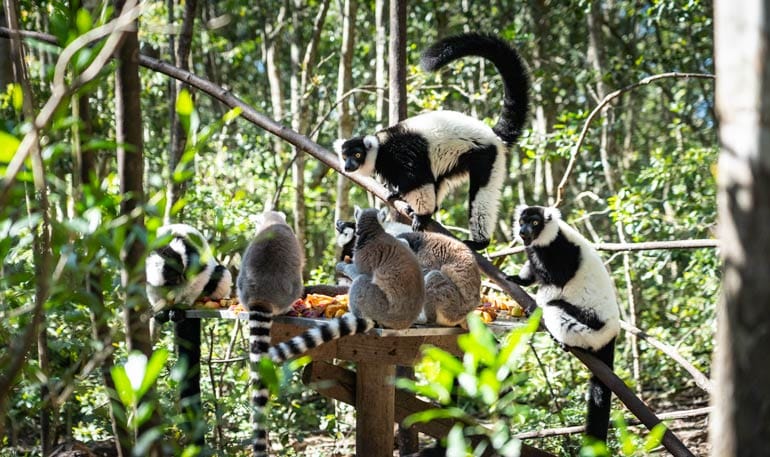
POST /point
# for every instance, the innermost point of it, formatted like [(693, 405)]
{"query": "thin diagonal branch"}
[(61, 90), (598, 109)]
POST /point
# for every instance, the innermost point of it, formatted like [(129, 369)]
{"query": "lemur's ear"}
[(356, 212), (382, 214), (552, 213), (337, 146), (371, 141), (518, 210)]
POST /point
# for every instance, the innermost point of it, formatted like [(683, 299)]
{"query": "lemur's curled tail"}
[(507, 61), (336, 328)]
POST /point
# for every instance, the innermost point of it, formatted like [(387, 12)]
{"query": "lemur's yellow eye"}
[(535, 223), (358, 155)]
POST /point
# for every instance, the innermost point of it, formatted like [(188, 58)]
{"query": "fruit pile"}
[(324, 306), (493, 306)]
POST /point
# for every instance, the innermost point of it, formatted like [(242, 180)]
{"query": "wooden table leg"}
[(375, 409), (408, 439)]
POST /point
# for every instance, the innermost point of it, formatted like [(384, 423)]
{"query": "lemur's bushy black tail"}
[(599, 397), (348, 324), (508, 63)]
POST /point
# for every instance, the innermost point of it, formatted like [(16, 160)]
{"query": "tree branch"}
[(598, 109), (61, 90), (581, 428)]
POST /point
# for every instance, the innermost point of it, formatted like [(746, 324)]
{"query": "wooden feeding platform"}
[(369, 388)]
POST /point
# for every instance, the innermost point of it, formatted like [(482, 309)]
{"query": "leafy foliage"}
[(655, 182)]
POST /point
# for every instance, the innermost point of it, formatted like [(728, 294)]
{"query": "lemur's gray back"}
[(452, 278), (388, 284), (271, 269)]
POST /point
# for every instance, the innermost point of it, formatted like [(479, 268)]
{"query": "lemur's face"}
[(345, 232), (531, 222), (357, 154), (353, 154)]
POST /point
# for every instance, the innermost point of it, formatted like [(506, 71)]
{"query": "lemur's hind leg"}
[(486, 176), (444, 304)]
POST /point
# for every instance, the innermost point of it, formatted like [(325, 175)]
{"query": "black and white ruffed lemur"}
[(576, 294), (423, 157)]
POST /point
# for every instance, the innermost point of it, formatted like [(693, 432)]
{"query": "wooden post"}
[(375, 409), (188, 342)]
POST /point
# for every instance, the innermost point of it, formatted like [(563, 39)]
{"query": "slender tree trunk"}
[(380, 52), (303, 64), (86, 174), (128, 118), (397, 61), (741, 415), (344, 84), (176, 189), (407, 437), (43, 257), (6, 75)]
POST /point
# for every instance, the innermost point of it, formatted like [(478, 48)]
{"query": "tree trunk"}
[(87, 174), (742, 398), (128, 118), (303, 64), (344, 84), (175, 190), (380, 50), (397, 61), (43, 256)]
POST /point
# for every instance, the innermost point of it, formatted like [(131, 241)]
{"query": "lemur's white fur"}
[(161, 295), (590, 288)]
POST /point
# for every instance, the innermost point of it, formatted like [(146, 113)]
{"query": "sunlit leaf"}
[(184, 103), (123, 386), (154, 366), (83, 21)]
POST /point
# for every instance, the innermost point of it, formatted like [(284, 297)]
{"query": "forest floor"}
[(693, 431)]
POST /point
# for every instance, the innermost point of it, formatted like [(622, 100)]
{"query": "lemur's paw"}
[(420, 222), (393, 196)]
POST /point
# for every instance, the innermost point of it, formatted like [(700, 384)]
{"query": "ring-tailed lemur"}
[(452, 278), (182, 270), (269, 281), (423, 157), (387, 288), (576, 294)]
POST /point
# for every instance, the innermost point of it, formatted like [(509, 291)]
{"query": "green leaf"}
[(456, 442), (154, 366), (268, 374), (83, 21), (655, 437), (9, 144), (184, 103), (17, 96), (232, 114), (143, 414), (447, 361), (489, 386), (432, 414), (480, 342), (515, 340), (123, 386)]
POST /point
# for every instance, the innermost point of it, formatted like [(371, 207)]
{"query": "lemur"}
[(452, 278), (423, 157), (576, 294), (182, 270), (269, 281)]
